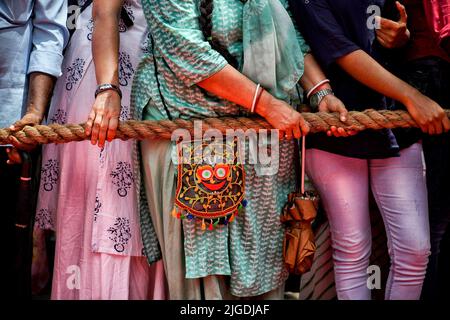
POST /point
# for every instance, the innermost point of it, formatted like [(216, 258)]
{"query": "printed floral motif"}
[(44, 219), (60, 117), (102, 157), (126, 70), (74, 73), (122, 177), (128, 8), (97, 207), (50, 174), (120, 233), (145, 45), (90, 27), (124, 113)]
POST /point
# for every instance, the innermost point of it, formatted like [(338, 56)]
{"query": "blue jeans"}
[(431, 76), (399, 188)]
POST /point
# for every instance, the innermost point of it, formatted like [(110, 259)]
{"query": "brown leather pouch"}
[(297, 216)]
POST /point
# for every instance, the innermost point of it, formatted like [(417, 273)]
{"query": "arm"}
[(104, 117), (331, 45), (180, 41), (313, 74), (49, 38), (427, 113), (278, 113)]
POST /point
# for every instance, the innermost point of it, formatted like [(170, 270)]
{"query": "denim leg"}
[(431, 76), (343, 185), (399, 188)]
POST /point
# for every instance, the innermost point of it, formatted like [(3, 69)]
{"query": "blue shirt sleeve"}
[(322, 31), (50, 35)]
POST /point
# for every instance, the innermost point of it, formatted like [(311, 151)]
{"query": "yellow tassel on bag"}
[(174, 212), (203, 225)]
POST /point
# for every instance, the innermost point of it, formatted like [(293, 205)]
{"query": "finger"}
[(20, 145), (329, 133), (430, 129), (112, 128), (89, 123), (401, 9), (343, 113), (438, 129), (342, 132), (96, 128), (386, 34), (352, 132), (446, 124), (304, 127), (297, 132), (333, 131), (102, 133), (13, 156), (288, 134), (384, 42), (386, 24)]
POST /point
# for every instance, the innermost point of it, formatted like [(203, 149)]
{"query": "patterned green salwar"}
[(243, 258)]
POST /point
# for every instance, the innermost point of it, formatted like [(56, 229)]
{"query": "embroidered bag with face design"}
[(210, 182)]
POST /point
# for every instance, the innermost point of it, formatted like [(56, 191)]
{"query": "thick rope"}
[(143, 130)]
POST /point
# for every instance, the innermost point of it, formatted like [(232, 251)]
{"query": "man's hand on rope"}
[(430, 117), (104, 118), (332, 104), (29, 119)]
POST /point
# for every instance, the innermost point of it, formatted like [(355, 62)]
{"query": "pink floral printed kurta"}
[(89, 196)]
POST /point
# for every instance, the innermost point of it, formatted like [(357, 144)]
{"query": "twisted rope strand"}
[(144, 130)]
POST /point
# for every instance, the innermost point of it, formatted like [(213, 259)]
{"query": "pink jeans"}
[(399, 188)]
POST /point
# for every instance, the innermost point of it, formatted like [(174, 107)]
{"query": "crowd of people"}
[(118, 209)]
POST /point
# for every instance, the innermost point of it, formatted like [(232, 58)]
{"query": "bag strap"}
[(302, 178)]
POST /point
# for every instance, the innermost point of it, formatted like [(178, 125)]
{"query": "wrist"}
[(321, 87), (108, 89), (265, 101), (323, 84), (36, 112), (408, 96)]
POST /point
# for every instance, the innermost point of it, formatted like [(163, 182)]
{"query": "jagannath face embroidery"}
[(210, 179), (213, 178)]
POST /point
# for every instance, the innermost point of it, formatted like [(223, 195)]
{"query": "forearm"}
[(231, 85), (39, 93), (312, 75), (105, 40), (369, 72)]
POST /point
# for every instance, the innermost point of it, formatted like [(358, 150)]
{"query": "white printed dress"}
[(89, 196)]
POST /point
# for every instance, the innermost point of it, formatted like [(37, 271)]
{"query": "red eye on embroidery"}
[(221, 171), (205, 172)]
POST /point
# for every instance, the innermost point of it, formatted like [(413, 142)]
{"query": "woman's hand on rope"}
[(282, 117), (104, 118), (430, 117), (332, 104), (31, 118)]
